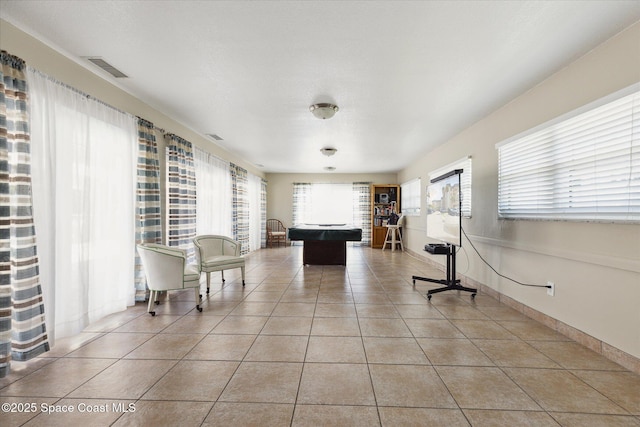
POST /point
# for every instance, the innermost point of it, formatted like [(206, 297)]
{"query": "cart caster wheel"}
[(156, 302), (429, 297), (414, 282), (473, 296), (152, 313), (199, 308), (200, 297), (207, 291)]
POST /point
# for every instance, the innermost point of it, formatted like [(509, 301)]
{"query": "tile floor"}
[(322, 345)]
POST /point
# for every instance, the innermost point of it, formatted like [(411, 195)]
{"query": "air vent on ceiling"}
[(214, 136), (107, 67)]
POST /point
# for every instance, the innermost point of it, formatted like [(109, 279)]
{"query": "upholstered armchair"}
[(166, 269), (218, 253)]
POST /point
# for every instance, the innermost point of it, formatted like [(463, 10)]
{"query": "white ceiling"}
[(407, 75)]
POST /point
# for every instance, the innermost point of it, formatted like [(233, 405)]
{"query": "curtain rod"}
[(77, 91)]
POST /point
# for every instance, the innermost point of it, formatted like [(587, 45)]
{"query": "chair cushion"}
[(222, 262)]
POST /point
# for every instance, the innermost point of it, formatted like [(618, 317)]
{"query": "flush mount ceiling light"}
[(323, 111), (327, 151), (329, 168)]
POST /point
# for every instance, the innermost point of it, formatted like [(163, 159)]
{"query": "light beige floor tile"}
[(374, 327), (333, 415), (433, 328), (264, 296), (335, 326), (166, 413), (226, 414), (301, 309), (21, 411), (125, 379), (246, 308), (549, 388), (409, 386), (166, 346), (222, 347), (112, 346), (595, 420), (22, 369), (529, 330), (251, 325), (413, 417), (278, 348), (148, 323), (325, 297), (415, 311), (335, 350), (514, 353), (195, 380), (509, 418), (287, 325), (377, 310), (484, 388), (335, 310), (336, 384), (64, 346), (85, 412), (394, 350), (412, 298), (503, 313), (195, 324), (371, 298), (264, 382), (621, 387), (571, 355), (58, 378), (453, 352), (487, 329)]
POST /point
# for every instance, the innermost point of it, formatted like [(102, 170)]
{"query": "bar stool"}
[(394, 235)]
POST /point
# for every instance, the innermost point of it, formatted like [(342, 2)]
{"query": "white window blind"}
[(410, 198), (465, 181), (582, 166)]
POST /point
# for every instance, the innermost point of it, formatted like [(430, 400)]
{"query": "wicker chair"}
[(276, 232)]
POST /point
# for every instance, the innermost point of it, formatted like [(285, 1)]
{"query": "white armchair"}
[(218, 253), (166, 269)]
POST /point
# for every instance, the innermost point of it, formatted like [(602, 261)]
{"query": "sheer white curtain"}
[(255, 220), (84, 163), (213, 194)]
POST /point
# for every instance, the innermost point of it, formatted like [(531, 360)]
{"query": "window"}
[(581, 166), (410, 198), (324, 203), (465, 181)]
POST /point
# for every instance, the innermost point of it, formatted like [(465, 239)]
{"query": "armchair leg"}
[(152, 296), (222, 276), (208, 282), (242, 270), (197, 289)]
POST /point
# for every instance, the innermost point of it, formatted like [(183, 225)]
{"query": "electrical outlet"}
[(551, 288)]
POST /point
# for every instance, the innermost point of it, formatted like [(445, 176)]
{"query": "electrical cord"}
[(495, 271)]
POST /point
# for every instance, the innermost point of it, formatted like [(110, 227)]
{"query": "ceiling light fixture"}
[(328, 151), (329, 168), (323, 111)]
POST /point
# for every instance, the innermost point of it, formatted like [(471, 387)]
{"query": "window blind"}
[(410, 197), (585, 166), (465, 181)]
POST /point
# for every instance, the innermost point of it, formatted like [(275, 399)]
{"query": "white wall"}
[(280, 189), (595, 266)]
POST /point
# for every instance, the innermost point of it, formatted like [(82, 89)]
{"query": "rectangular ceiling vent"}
[(107, 67), (214, 136)]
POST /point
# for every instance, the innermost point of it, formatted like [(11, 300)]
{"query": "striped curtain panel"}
[(362, 211), (181, 190), (301, 202), (240, 211), (22, 327), (148, 209), (263, 213)]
